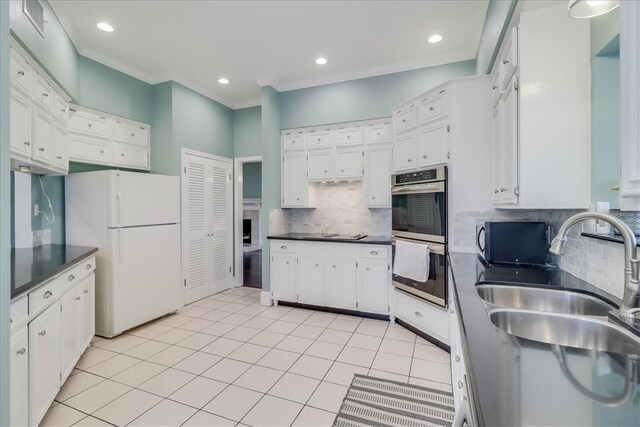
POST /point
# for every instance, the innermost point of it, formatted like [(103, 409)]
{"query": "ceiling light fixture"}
[(435, 38), (105, 27), (321, 61), (584, 9), (223, 81)]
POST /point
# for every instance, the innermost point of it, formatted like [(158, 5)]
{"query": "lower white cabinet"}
[(350, 276), (89, 310), (19, 390), (431, 319), (71, 320), (44, 362)]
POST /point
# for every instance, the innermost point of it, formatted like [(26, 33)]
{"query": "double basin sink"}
[(556, 316)]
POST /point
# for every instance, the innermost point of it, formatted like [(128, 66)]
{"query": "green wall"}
[(252, 180), (362, 99), (270, 137), (164, 155), (498, 16), (5, 214), (112, 91), (247, 127), (54, 188)]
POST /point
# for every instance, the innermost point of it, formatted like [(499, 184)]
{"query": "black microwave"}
[(513, 242)]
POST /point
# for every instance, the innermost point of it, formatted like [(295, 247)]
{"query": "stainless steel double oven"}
[(419, 215)]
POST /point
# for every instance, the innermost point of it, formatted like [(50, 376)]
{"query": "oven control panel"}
[(428, 175)]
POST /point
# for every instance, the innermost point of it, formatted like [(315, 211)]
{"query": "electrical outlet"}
[(46, 236), (36, 209), (37, 238)]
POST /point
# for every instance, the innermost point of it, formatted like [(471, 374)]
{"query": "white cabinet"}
[(71, 330), (504, 148), (377, 133), (88, 310), (373, 285), (348, 136), (420, 314), (377, 176), (433, 145), (44, 362), (405, 119), (294, 141), (20, 123), (21, 71), (341, 283), (320, 165), (60, 140), (348, 163), (99, 138), (434, 106), (310, 280), (507, 62), (42, 92), (405, 151), (19, 367), (340, 275), (42, 135), (319, 139), (295, 187)]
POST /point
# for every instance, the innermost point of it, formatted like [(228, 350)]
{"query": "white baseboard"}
[(265, 298)]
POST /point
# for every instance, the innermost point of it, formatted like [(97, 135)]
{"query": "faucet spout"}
[(630, 308)]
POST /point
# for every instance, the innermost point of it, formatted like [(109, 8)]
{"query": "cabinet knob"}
[(424, 156), (495, 87), (63, 110), (418, 314), (27, 143), (88, 267), (59, 157), (71, 277), (21, 351), (86, 291), (373, 197), (325, 171), (47, 295), (318, 139), (460, 384), (287, 262), (367, 268), (502, 189), (409, 160), (21, 73), (457, 358), (378, 133), (430, 108), (298, 198), (404, 120), (374, 252), (121, 154), (41, 149), (333, 266), (42, 333), (495, 191), (341, 170), (101, 151), (133, 135), (505, 61), (283, 247), (89, 125), (45, 94), (316, 265), (78, 298), (348, 136)]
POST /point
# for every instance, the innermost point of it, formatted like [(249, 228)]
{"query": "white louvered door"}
[(207, 213)]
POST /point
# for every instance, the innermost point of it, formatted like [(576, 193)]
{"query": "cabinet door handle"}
[(333, 266), (101, 151), (409, 160), (122, 154), (21, 73), (457, 358), (41, 149), (89, 125), (133, 134), (502, 189), (78, 298), (287, 262), (42, 333), (373, 197), (21, 351), (342, 170), (47, 295), (378, 133), (495, 191), (86, 291), (424, 156), (430, 108), (71, 277), (59, 157), (495, 87), (404, 120), (367, 268), (374, 252), (460, 384), (45, 94), (88, 267), (505, 61), (283, 247), (27, 143), (63, 110), (418, 314)]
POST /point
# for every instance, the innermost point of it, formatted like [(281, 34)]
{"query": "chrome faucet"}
[(630, 308)]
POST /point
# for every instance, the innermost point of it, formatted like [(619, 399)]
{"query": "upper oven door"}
[(419, 211)]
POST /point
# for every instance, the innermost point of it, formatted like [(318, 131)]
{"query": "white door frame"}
[(238, 198), (184, 153)]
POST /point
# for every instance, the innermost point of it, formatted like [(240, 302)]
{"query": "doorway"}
[(248, 221)]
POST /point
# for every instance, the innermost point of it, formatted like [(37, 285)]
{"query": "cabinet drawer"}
[(19, 310), (405, 119), (433, 107), (123, 132), (43, 296), (60, 108), (84, 150), (377, 133), (41, 91), (381, 252), (77, 273), (20, 72), (349, 136), (89, 124), (294, 141), (132, 157), (431, 319), (319, 139), (282, 246)]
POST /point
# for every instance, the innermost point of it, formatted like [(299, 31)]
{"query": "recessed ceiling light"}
[(435, 38), (223, 81), (321, 61), (105, 27)]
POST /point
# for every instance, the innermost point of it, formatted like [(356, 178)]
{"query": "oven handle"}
[(436, 187), (436, 248)]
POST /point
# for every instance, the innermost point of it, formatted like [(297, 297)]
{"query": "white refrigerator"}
[(134, 220)]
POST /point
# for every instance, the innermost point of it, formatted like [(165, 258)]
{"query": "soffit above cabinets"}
[(254, 43)]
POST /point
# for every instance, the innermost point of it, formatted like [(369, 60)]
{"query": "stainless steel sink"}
[(545, 300), (565, 330)]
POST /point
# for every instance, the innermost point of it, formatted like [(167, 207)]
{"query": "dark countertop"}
[(32, 266), (517, 382), (318, 237)]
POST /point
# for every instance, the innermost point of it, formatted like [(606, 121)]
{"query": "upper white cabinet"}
[(434, 106), (38, 118), (103, 139), (405, 118), (336, 153), (542, 124), (433, 142)]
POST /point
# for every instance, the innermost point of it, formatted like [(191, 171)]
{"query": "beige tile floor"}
[(228, 361)]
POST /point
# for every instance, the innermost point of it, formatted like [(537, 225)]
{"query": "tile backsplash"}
[(340, 209)]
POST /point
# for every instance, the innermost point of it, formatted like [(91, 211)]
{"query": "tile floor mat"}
[(378, 402)]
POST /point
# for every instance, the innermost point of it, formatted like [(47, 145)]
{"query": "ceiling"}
[(253, 43)]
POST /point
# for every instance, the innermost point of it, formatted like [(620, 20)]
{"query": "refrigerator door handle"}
[(119, 197)]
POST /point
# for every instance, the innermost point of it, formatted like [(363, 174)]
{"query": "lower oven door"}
[(434, 289)]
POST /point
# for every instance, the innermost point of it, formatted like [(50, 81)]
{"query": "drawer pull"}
[(460, 384), (418, 314), (86, 291), (374, 252), (88, 267), (63, 110), (457, 358), (27, 143), (505, 62), (283, 247), (47, 294), (71, 277), (21, 351), (78, 298), (42, 333), (41, 149), (45, 94), (21, 73)]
